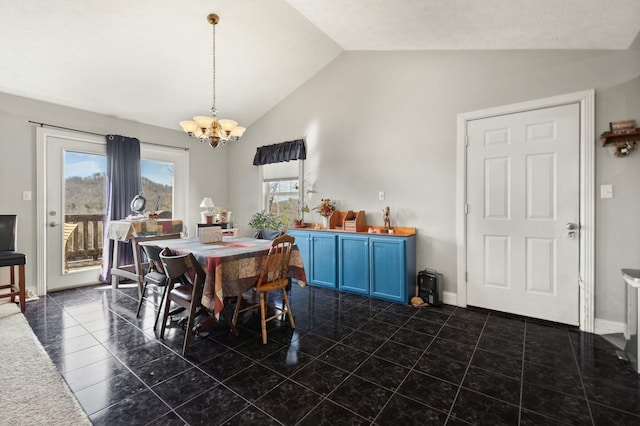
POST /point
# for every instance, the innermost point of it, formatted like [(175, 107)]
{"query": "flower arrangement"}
[(326, 207)]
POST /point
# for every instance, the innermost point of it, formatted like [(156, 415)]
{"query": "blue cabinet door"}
[(388, 268), (323, 259), (353, 261), (303, 240)]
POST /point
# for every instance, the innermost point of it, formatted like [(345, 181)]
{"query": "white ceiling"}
[(150, 60)]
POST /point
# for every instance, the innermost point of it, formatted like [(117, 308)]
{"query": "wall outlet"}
[(381, 196)]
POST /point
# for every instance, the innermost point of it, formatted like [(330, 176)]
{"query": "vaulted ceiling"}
[(150, 60)]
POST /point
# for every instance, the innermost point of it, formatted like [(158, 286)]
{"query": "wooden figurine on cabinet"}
[(386, 217)]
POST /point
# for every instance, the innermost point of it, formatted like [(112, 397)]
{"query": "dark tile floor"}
[(351, 360)]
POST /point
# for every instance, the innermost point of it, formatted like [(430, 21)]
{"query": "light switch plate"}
[(381, 196), (606, 191), (26, 195)]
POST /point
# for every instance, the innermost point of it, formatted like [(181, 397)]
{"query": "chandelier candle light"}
[(210, 129)]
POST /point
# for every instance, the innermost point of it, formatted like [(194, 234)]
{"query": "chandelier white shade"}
[(210, 129)]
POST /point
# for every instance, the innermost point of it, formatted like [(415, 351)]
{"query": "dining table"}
[(232, 266)]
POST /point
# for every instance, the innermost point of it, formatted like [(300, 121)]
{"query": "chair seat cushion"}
[(156, 278), (183, 292), (10, 258)]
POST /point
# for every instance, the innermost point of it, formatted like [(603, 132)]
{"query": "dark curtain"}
[(280, 152), (123, 183)]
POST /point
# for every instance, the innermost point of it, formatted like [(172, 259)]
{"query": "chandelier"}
[(210, 129)]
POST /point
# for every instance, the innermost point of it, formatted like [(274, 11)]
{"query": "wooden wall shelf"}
[(611, 137)]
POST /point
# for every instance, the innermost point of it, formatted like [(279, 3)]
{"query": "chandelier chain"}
[(209, 129), (213, 78)]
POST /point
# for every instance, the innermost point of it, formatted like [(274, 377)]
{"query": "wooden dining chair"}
[(156, 278), (185, 286), (273, 277)]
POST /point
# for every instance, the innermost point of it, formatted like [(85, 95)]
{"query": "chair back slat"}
[(276, 265)]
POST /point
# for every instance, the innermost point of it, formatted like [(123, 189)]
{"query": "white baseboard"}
[(450, 298), (602, 326)]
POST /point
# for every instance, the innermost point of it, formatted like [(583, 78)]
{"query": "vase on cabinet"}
[(325, 222)]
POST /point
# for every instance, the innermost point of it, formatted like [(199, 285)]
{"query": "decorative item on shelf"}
[(622, 126), (138, 205), (207, 215), (153, 214), (222, 215), (210, 129), (621, 140), (299, 223), (352, 221), (386, 218), (326, 209)]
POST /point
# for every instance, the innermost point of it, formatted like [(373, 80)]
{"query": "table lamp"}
[(207, 214)]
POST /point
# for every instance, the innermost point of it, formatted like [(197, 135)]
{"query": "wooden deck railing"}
[(84, 246)]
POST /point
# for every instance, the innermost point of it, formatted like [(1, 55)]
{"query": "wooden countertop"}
[(398, 231)]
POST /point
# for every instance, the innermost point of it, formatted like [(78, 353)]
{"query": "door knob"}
[(53, 224), (572, 226)]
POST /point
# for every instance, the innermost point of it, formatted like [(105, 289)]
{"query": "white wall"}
[(618, 218), (386, 121), (208, 169)]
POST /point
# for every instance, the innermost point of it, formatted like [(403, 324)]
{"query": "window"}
[(157, 186), (281, 189), (165, 179)]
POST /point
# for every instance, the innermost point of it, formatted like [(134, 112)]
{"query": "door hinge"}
[(465, 276), (466, 140), (466, 208)]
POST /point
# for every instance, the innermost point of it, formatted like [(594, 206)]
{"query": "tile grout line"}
[(524, 346), (475, 348), (584, 389)]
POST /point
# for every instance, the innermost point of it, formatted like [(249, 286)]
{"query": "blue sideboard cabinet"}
[(319, 254), (380, 266)]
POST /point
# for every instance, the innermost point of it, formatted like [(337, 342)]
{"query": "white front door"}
[(74, 200), (523, 186)]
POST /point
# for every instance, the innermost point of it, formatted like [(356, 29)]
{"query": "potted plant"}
[(267, 224)]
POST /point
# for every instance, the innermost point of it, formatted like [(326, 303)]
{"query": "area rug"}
[(32, 391)]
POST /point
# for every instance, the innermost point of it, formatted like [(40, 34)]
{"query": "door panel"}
[(73, 166), (354, 264), (388, 266), (522, 190), (323, 257)]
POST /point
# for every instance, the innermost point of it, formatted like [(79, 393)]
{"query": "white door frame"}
[(42, 134), (586, 100)]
